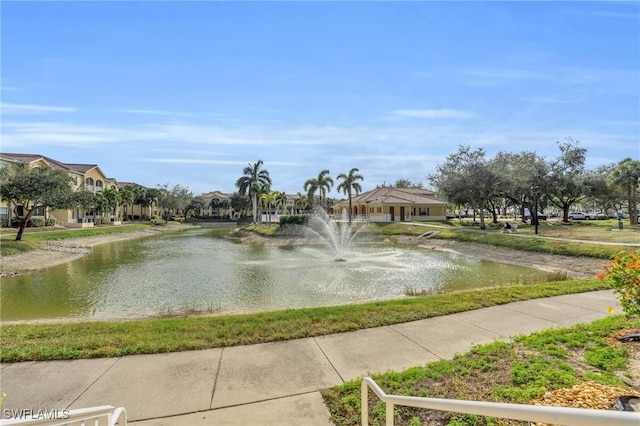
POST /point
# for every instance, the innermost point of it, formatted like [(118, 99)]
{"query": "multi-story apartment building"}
[(87, 177)]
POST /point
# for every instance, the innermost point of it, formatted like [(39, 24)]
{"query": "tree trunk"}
[(254, 207), (633, 211), (23, 224)]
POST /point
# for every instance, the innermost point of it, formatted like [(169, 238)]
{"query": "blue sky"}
[(191, 92)]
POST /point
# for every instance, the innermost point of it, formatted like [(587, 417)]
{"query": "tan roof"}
[(55, 164), (393, 195), (217, 194), (81, 168), (30, 158)]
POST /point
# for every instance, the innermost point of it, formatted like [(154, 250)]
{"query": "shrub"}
[(297, 219), (36, 223), (623, 275)]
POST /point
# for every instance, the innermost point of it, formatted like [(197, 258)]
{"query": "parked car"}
[(579, 216), (541, 216)]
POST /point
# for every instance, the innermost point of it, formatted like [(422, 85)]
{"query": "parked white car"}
[(579, 216)]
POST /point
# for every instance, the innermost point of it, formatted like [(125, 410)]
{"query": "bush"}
[(50, 222), (623, 275), (36, 223), (297, 219)]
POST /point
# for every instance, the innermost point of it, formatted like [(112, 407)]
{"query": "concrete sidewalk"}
[(276, 383)]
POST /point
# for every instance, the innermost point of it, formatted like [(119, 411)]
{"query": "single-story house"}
[(391, 204)]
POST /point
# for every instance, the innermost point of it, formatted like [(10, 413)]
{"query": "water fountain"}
[(336, 234)]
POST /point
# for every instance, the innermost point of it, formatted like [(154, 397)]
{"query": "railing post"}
[(389, 413), (364, 402)]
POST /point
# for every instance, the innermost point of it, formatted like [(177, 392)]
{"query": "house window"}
[(370, 209), (90, 184), (98, 185), (424, 211), (379, 210), (39, 211), (4, 213)]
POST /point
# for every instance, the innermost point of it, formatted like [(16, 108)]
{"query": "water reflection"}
[(197, 270)]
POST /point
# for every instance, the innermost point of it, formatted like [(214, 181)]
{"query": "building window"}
[(90, 184), (424, 211), (4, 213), (370, 209), (379, 210), (98, 185)]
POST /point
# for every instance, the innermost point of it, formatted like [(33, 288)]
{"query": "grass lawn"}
[(583, 366)]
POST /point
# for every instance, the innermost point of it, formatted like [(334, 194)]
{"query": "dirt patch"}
[(577, 267)]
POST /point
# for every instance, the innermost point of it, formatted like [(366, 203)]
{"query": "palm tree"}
[(128, 197), (253, 174), (281, 201), (114, 198), (627, 175), (267, 198), (102, 206), (322, 183), (349, 184), (301, 202)]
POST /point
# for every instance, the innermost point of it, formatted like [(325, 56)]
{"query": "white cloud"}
[(8, 108), (156, 112), (434, 113)]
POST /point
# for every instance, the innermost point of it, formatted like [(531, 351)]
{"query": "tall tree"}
[(566, 182), (253, 174), (627, 175), (281, 202), (516, 175), (240, 203), (196, 205), (114, 198), (349, 185), (128, 197), (406, 183), (34, 188), (323, 184), (466, 177), (174, 200), (301, 202), (268, 199)]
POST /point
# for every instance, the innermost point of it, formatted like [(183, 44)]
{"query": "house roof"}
[(55, 164), (32, 158), (217, 194), (393, 195), (81, 168)]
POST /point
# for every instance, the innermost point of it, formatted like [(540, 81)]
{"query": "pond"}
[(198, 270)]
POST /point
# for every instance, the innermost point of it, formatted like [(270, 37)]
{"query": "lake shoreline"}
[(58, 252), (62, 251)]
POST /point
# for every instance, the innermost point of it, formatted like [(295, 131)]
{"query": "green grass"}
[(27, 342), (516, 372), (496, 238)]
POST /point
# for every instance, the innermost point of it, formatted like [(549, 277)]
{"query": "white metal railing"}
[(105, 415), (536, 413)]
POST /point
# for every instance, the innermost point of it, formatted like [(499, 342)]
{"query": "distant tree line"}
[(469, 178)]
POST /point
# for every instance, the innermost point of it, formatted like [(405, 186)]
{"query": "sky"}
[(189, 93)]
